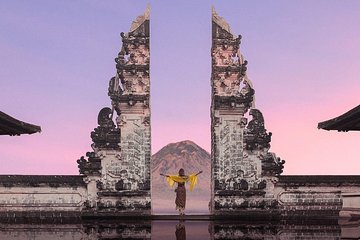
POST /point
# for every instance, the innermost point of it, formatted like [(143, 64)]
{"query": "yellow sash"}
[(192, 179)]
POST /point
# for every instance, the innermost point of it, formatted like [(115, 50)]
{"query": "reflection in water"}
[(231, 230), (180, 232), (77, 231), (171, 230), (117, 229), (330, 229)]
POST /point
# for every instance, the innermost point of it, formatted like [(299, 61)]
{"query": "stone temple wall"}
[(328, 195), (49, 196)]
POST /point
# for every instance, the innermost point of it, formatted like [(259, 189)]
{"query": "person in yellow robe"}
[(181, 179)]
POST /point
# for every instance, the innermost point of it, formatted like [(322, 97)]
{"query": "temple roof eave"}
[(349, 121), (12, 126)]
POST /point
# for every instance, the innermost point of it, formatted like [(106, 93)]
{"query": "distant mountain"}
[(169, 160)]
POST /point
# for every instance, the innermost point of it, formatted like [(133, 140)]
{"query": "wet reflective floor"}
[(185, 229)]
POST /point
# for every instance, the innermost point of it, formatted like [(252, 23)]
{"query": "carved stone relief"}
[(135, 152)]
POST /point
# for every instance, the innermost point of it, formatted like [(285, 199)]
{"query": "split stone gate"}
[(115, 176)]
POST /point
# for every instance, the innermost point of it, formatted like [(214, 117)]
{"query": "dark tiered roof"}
[(349, 121), (11, 126)]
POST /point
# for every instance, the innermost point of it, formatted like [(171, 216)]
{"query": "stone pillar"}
[(129, 91), (118, 170), (239, 149)]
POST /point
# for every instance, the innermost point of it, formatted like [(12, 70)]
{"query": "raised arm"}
[(164, 175), (198, 173)]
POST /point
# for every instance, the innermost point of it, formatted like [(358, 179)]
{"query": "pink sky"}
[(57, 58)]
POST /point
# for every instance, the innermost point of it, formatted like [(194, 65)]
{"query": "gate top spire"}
[(141, 19), (229, 67), (220, 21)]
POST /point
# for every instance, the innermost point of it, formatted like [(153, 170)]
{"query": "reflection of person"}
[(181, 179), (180, 231)]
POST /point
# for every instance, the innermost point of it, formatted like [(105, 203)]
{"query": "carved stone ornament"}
[(133, 61), (90, 166), (256, 137), (114, 86), (220, 21), (106, 135), (140, 20), (272, 165), (228, 67)]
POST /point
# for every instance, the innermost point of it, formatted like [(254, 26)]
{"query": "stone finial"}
[(140, 19), (133, 63), (228, 65), (220, 20)]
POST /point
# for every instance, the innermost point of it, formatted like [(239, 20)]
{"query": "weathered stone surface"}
[(42, 198), (316, 195)]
